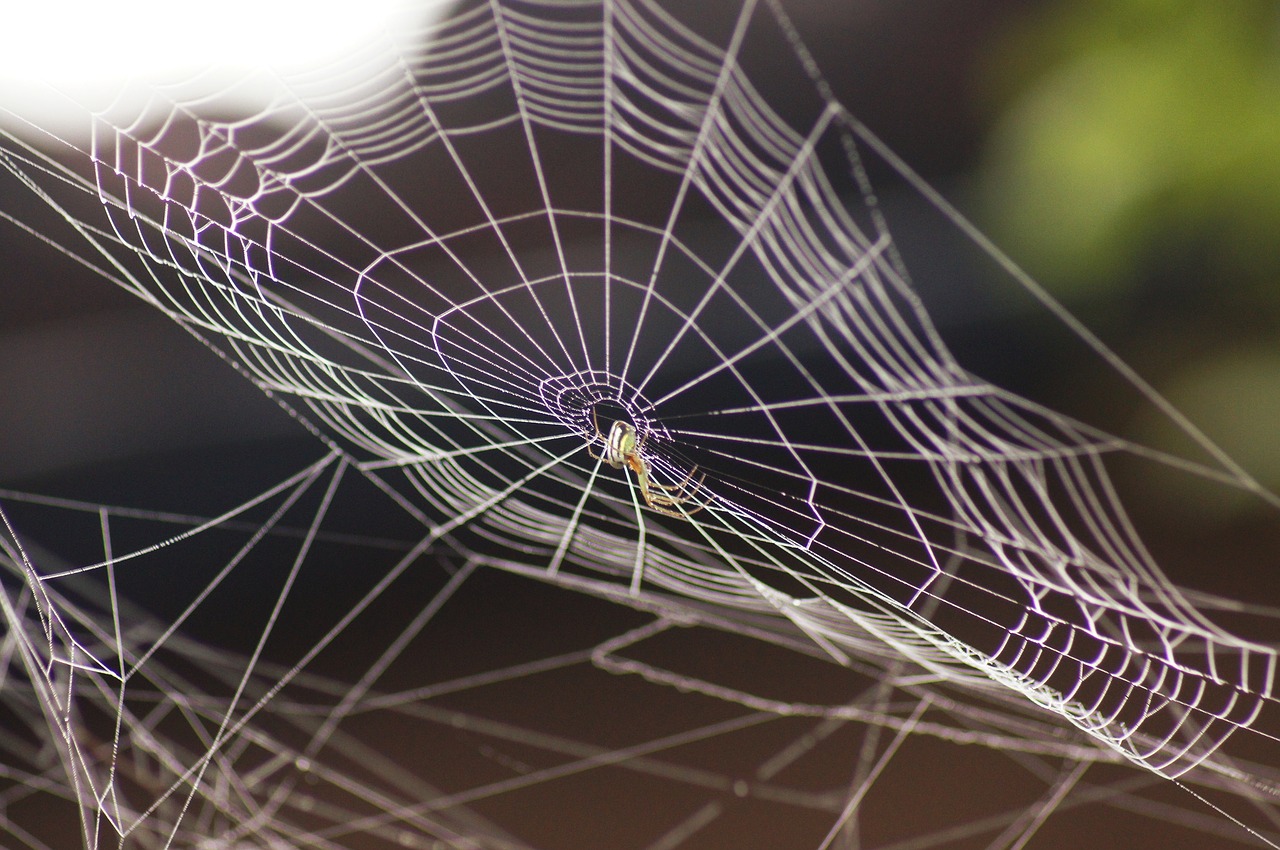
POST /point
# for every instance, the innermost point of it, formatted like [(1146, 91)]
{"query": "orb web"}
[(532, 219)]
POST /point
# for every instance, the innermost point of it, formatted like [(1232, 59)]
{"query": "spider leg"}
[(660, 507), (684, 481), (671, 513), (673, 495), (595, 423), (662, 502)]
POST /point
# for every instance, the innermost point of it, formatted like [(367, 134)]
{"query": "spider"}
[(622, 448)]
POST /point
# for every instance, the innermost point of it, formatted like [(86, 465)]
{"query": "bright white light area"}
[(61, 57)]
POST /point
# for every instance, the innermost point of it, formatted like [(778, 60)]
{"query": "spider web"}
[(533, 219)]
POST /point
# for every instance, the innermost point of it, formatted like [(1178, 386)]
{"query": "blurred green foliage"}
[(1135, 128), (1135, 171)]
